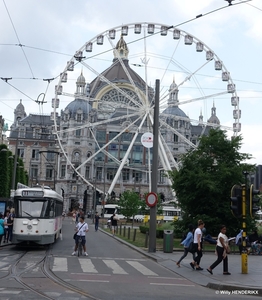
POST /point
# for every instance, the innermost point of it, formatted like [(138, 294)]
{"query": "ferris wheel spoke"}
[(186, 79), (105, 146), (177, 133), (114, 86), (126, 156), (126, 72), (200, 98)]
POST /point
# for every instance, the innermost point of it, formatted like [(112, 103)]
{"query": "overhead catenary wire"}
[(95, 56)]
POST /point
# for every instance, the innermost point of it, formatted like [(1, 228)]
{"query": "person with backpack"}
[(186, 242)]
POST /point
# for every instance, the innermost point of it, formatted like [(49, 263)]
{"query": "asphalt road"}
[(114, 271), (111, 271)]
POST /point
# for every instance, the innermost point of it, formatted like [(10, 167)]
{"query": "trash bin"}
[(168, 241)]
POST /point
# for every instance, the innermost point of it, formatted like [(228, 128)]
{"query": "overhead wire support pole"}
[(244, 256), (154, 174)]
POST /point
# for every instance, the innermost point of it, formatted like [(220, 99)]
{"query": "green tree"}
[(205, 179), (4, 174), (130, 204)]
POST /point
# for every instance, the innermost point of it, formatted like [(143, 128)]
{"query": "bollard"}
[(128, 233), (146, 240), (134, 235), (120, 229), (124, 231)]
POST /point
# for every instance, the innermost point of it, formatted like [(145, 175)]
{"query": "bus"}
[(38, 215), (168, 214), (109, 210)]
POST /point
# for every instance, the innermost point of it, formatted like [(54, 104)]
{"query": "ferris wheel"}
[(113, 102)]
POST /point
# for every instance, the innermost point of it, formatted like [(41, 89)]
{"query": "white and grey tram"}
[(38, 215)]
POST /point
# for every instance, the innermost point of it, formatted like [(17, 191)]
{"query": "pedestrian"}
[(1, 227), (96, 221), (81, 229), (114, 223), (10, 223), (222, 249), (6, 235), (186, 242), (195, 264)]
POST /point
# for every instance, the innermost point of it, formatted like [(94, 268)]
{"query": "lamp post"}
[(14, 169), (94, 200), (104, 195)]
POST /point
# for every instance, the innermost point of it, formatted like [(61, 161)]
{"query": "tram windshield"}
[(33, 209)]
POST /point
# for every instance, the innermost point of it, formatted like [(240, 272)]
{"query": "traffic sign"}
[(151, 199), (147, 139)]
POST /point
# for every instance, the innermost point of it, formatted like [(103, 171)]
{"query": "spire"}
[(173, 93), (213, 109), (213, 119), (121, 48), (19, 112), (201, 117), (80, 85)]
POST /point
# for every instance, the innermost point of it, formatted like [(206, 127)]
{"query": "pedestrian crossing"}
[(97, 266)]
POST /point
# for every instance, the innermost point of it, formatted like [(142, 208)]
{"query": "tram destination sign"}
[(38, 194)]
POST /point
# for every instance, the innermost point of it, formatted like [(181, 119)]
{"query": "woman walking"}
[(222, 250), (198, 246), (186, 242)]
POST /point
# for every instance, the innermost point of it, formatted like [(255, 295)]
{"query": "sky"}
[(38, 38)]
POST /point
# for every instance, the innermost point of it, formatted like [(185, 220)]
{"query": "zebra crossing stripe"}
[(87, 265), (60, 264), (116, 269), (140, 268)]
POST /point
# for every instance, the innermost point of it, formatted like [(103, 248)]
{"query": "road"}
[(111, 271)]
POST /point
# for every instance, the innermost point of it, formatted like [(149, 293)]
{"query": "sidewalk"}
[(243, 283)]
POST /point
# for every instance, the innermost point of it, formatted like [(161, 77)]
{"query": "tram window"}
[(30, 209)]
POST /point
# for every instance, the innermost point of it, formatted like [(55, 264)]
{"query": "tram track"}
[(31, 270)]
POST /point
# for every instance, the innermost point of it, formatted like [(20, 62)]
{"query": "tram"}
[(38, 215)]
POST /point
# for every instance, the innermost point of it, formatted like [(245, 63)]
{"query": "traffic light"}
[(236, 201), (253, 201)]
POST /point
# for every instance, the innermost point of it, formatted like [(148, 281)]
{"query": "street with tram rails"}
[(111, 270)]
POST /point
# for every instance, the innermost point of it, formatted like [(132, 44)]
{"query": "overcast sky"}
[(51, 31)]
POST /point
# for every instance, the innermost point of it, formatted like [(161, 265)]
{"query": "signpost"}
[(151, 199)]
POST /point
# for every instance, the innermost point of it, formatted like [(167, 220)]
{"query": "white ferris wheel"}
[(118, 99)]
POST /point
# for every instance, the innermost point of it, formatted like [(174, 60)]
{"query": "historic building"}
[(105, 106)]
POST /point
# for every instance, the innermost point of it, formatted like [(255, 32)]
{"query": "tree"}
[(4, 174), (130, 204), (205, 179)]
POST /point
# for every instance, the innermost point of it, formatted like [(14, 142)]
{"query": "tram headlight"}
[(29, 227)]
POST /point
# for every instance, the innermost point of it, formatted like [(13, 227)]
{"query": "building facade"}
[(95, 131)]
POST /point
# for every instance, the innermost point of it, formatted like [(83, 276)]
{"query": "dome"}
[(173, 86), (81, 79), (175, 111), (78, 104), (20, 106)]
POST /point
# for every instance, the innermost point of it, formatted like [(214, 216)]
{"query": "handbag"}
[(228, 250), (74, 236), (191, 247)]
